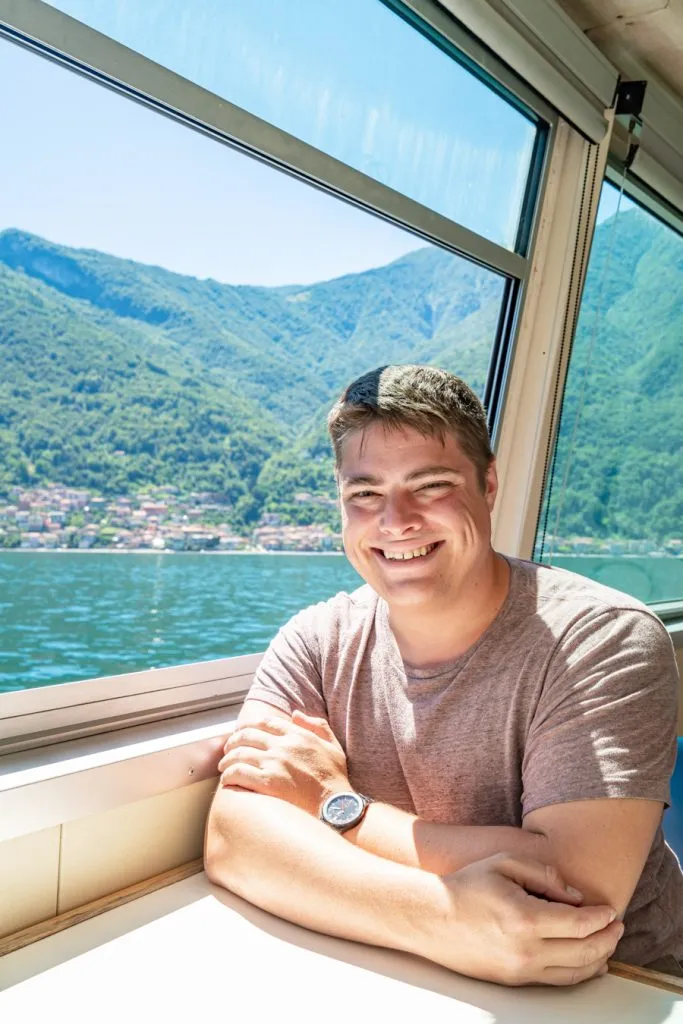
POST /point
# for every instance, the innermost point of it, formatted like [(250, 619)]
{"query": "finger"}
[(246, 777), (579, 952), (277, 726), (229, 730), (542, 879), (241, 755), (572, 975), (559, 921), (318, 726), (249, 736), (309, 721)]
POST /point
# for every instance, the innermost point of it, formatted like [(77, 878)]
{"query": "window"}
[(614, 504), (175, 320), (354, 80)]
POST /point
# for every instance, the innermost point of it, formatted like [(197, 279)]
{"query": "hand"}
[(489, 925), (298, 760)]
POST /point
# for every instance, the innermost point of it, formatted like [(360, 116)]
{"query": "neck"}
[(429, 636)]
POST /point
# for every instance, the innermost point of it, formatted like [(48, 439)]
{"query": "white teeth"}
[(404, 556)]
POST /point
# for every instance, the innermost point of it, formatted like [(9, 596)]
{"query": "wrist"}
[(421, 905)]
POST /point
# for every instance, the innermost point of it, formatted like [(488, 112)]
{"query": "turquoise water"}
[(66, 616), (648, 578)]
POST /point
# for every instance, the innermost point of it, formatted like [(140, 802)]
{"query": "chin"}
[(407, 594)]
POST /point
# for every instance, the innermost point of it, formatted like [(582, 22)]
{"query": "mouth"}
[(414, 555)]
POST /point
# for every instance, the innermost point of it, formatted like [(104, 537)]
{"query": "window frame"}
[(36, 717)]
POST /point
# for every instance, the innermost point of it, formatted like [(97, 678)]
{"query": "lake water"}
[(66, 616)]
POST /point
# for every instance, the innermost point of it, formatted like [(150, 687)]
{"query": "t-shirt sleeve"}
[(605, 724), (289, 675)]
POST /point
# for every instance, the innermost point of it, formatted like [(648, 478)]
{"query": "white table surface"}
[(194, 953)]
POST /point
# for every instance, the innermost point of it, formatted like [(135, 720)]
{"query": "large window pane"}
[(615, 508), (352, 79), (175, 320)]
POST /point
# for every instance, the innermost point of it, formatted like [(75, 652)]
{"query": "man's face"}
[(403, 494)]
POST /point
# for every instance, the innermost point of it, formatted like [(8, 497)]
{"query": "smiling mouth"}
[(406, 556)]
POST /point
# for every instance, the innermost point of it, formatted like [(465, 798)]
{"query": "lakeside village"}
[(56, 517)]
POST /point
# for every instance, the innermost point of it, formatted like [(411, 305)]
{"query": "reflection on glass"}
[(615, 509), (353, 80), (175, 321)]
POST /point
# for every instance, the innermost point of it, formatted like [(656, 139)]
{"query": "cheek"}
[(355, 526)]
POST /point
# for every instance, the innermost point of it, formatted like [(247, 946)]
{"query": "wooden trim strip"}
[(645, 976), (53, 925)]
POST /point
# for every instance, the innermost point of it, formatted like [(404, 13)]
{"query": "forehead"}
[(380, 451)]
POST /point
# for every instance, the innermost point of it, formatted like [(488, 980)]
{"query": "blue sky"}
[(90, 168), (87, 168)]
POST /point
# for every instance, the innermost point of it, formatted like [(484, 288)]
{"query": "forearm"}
[(285, 861), (438, 848)]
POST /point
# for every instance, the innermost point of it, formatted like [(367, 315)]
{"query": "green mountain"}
[(117, 376), (619, 470)]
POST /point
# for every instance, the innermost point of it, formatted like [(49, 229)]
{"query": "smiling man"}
[(468, 757)]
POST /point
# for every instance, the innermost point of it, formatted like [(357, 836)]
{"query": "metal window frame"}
[(36, 717), (52, 34), (532, 400)]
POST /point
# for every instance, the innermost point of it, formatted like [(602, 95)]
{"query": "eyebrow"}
[(417, 474)]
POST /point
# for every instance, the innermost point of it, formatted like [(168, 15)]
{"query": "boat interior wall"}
[(56, 869)]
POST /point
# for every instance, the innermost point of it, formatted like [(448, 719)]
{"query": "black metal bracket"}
[(628, 109), (629, 98)]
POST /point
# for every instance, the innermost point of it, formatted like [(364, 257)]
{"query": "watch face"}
[(343, 808)]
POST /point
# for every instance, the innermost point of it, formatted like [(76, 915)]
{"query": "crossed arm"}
[(398, 881)]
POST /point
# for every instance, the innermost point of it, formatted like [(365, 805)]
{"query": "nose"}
[(400, 516)]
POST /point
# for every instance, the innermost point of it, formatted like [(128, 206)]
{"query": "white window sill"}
[(54, 784)]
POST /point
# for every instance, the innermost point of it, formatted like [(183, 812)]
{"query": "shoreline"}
[(256, 551), (152, 551)]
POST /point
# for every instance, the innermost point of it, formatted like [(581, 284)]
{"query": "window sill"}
[(59, 783)]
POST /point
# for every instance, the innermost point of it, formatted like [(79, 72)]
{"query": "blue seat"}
[(673, 817)]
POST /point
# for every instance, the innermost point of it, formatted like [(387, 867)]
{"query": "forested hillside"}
[(116, 376), (625, 475)]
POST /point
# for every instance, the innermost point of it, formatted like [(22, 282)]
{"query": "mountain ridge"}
[(119, 375)]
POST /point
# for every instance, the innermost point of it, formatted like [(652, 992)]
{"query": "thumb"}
[(536, 877)]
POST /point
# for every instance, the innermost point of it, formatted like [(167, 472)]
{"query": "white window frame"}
[(66, 711)]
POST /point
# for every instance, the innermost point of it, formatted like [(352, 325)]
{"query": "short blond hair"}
[(431, 401)]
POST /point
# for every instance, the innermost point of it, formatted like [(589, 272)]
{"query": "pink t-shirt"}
[(570, 694)]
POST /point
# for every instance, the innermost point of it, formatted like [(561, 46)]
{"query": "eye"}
[(361, 495), (435, 484)]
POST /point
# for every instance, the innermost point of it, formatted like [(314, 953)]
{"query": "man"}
[(512, 725)]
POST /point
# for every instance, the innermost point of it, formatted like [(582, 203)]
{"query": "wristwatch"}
[(343, 811)]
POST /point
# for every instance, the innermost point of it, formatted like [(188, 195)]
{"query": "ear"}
[(491, 485)]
